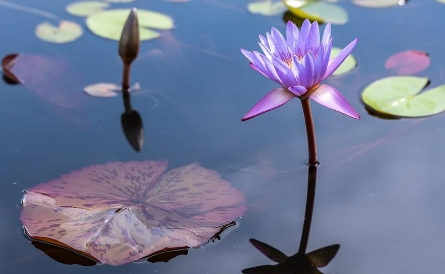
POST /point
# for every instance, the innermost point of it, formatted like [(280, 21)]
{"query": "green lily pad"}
[(267, 8), (109, 23), (320, 11), (378, 3), (86, 8), (65, 32), (348, 64), (400, 96)]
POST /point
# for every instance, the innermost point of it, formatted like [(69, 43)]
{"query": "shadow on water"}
[(301, 262), (67, 256)]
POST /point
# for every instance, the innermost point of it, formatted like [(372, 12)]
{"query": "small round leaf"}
[(86, 8), (67, 31)]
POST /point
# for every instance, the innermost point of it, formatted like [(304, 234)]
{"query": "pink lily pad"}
[(53, 79), (408, 62), (121, 212)]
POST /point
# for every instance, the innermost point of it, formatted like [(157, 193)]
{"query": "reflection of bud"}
[(129, 42)]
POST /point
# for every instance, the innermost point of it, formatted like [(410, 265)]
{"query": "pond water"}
[(380, 191)]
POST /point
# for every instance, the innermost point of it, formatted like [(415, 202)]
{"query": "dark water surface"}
[(380, 188)]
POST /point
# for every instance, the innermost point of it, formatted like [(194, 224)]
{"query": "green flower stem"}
[(310, 131)]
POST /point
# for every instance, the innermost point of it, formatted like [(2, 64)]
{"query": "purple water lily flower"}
[(299, 64)]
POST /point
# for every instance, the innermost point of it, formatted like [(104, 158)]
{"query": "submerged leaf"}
[(86, 8), (53, 79), (348, 64), (121, 212), (408, 62), (65, 32), (110, 23), (267, 8), (318, 11), (399, 96)]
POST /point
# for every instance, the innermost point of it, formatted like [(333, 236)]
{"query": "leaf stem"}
[(310, 131)]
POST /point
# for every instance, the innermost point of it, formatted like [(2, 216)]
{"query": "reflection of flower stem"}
[(311, 183), (126, 77), (29, 10), (310, 131)]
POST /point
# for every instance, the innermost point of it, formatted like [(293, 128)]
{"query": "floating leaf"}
[(107, 89), (399, 96), (67, 31), (53, 79), (349, 64), (408, 62), (318, 10), (86, 8), (378, 3), (121, 212), (102, 90), (267, 8), (109, 24)]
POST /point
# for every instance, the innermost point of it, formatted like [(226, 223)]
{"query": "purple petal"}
[(252, 58), (291, 35), (257, 69), (264, 40), (319, 65), (271, 42), (302, 40), (330, 97), (297, 90), (326, 35), (256, 59), (306, 71), (284, 73), (274, 99), (270, 70), (314, 37), (281, 43), (336, 62), (266, 51)]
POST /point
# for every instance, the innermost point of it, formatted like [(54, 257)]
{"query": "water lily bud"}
[(129, 42)]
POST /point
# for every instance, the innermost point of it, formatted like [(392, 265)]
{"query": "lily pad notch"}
[(401, 96)]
